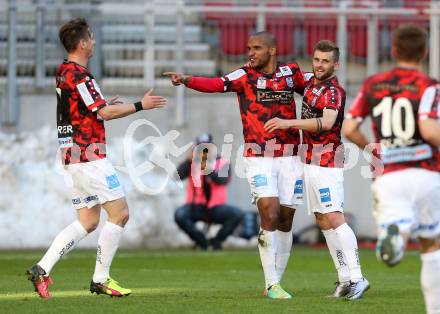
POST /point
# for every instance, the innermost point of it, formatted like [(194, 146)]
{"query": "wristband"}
[(138, 106)]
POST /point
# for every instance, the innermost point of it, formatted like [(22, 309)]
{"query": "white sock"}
[(430, 280), (267, 246), (336, 252), (63, 243), (108, 243), (284, 246), (348, 242)]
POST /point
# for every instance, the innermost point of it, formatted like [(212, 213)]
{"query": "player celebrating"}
[(403, 105), (322, 116), (265, 89), (81, 136)]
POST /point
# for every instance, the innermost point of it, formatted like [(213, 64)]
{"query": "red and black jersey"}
[(81, 134), (262, 97), (396, 100), (325, 148)]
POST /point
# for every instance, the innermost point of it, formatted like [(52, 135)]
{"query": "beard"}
[(262, 64), (323, 76)]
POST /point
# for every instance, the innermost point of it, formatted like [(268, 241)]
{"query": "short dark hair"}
[(72, 32), (409, 41), (268, 38), (327, 46)]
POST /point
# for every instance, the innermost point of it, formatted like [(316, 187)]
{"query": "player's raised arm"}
[(177, 78), (116, 109), (201, 84)]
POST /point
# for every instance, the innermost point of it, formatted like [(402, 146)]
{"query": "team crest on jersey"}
[(289, 82), (261, 83), (285, 70)]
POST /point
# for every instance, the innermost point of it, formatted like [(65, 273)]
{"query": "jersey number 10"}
[(392, 122)]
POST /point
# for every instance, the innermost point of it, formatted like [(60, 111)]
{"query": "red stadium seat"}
[(283, 29), (234, 34), (357, 38), (388, 24), (282, 25), (318, 26), (420, 19), (357, 33), (234, 28)]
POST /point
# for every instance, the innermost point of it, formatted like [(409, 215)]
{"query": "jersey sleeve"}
[(207, 84), (298, 78), (430, 103), (332, 99), (90, 93), (235, 81), (359, 108)]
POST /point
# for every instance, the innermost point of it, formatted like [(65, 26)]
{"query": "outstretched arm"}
[(201, 84), (116, 109), (317, 125)]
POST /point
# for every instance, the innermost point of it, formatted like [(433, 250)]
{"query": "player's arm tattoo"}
[(318, 125)]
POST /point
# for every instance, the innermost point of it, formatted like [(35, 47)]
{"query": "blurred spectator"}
[(206, 196)]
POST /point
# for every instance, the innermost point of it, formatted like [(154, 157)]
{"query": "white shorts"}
[(94, 182), (280, 177), (409, 198), (324, 189)]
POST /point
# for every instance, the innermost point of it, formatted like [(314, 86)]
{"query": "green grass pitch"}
[(186, 281)]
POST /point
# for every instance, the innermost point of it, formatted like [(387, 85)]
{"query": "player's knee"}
[(238, 214), (179, 214), (271, 217), (124, 216), (429, 245), (322, 221), (285, 226), (286, 217), (319, 218), (90, 225)]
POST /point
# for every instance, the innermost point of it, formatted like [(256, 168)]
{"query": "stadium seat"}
[(386, 26), (318, 26), (282, 25), (358, 33), (234, 34), (283, 28), (234, 28)]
